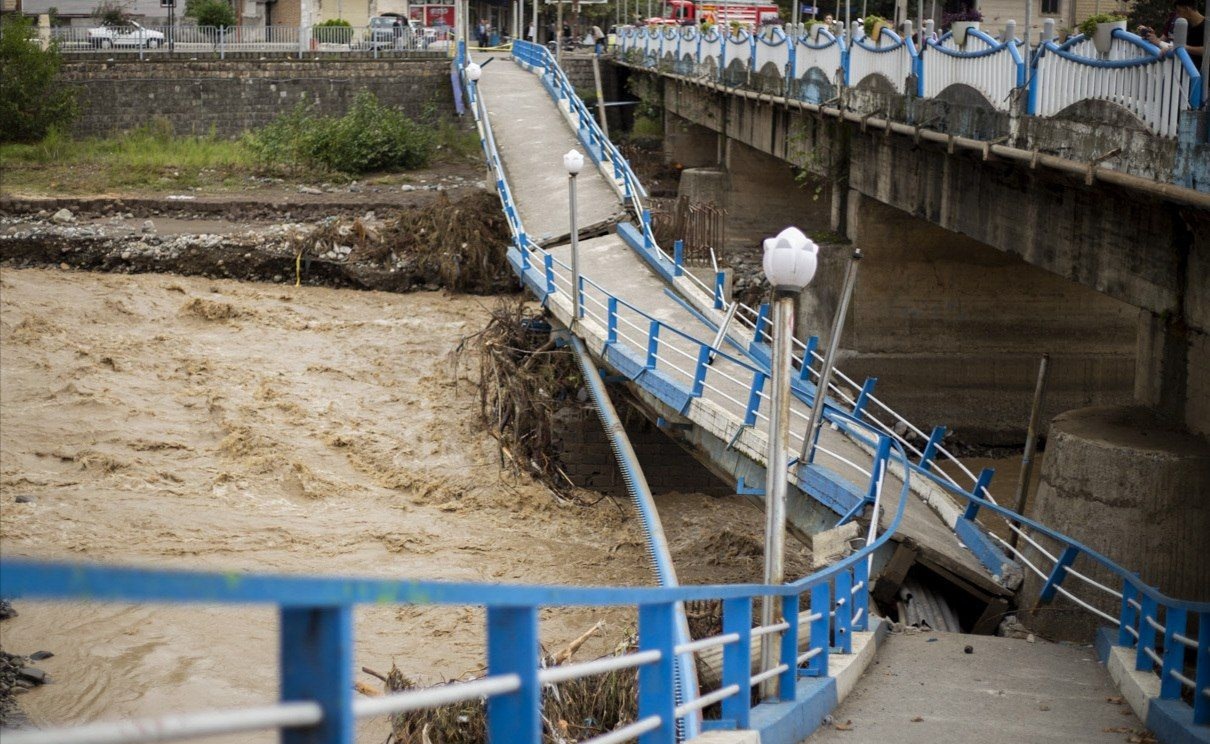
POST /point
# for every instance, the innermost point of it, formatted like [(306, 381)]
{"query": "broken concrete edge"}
[(1170, 720), (815, 698)]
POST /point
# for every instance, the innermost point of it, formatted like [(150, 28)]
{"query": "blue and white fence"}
[(1154, 86), (994, 68)]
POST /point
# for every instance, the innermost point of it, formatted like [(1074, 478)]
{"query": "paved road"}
[(923, 689)]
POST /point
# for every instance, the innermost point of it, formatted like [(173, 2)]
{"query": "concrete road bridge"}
[(642, 324)]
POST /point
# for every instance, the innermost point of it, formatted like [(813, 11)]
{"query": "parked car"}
[(130, 34), (390, 31)]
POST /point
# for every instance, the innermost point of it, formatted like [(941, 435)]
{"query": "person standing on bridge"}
[(481, 33), (1195, 43), (598, 39)]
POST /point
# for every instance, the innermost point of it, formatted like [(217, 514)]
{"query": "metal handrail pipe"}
[(626, 733), (435, 697), (809, 654), (767, 629), (566, 672), (706, 643), (174, 727), (756, 679), (706, 700)]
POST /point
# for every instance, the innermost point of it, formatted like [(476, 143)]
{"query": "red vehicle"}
[(690, 13)]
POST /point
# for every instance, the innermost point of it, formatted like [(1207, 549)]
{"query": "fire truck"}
[(690, 13)]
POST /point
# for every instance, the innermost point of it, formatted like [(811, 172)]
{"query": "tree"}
[(32, 100), (1154, 14), (111, 13), (211, 12)]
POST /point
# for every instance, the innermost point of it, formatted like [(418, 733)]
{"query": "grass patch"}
[(153, 158)]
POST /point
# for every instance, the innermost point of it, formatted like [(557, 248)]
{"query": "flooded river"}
[(188, 423)]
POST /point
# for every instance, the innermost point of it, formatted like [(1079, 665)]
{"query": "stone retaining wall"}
[(230, 97)]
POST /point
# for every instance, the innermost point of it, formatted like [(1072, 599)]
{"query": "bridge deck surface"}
[(531, 137), (609, 262), (1006, 692)]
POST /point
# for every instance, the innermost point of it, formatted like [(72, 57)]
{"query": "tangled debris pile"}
[(457, 244), (572, 711), (462, 244), (524, 379)]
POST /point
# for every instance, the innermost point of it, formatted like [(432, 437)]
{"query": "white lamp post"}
[(573, 161), (789, 263)]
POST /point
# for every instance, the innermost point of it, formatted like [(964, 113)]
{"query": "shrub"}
[(111, 13), (1089, 26), (32, 100), (333, 31), (869, 22), (370, 137), (966, 14), (215, 13)]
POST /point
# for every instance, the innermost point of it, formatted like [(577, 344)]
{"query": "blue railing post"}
[(678, 257), (758, 383), (316, 659), (1057, 574), (657, 694), (737, 660), (612, 320), (720, 283), (930, 449), (844, 612), (861, 599), (1174, 653), (653, 343), (549, 261), (787, 685), (1142, 661), (981, 483), (804, 372), (580, 295), (821, 601), (762, 319), (1201, 702), (699, 372), (523, 246), (512, 648), (1129, 616), (867, 389), (647, 241)]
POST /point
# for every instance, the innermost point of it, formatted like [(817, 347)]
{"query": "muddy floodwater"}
[(190, 423)]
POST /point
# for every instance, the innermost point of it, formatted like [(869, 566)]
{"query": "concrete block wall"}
[(588, 460), (230, 97)]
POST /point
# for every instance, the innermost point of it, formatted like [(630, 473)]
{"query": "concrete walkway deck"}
[(531, 137), (924, 689)]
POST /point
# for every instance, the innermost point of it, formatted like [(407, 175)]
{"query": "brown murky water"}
[(188, 423)]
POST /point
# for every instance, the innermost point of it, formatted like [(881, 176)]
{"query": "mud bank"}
[(191, 423)]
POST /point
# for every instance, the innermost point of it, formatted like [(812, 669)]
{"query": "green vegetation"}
[(870, 22), (297, 146), (216, 13), (31, 99), (1089, 26), (111, 13), (333, 31), (370, 137)]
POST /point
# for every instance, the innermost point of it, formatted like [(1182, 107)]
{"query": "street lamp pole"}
[(825, 374), (789, 264), (574, 162)]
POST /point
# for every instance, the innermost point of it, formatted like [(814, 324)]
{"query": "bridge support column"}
[(954, 328), (1133, 486)]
